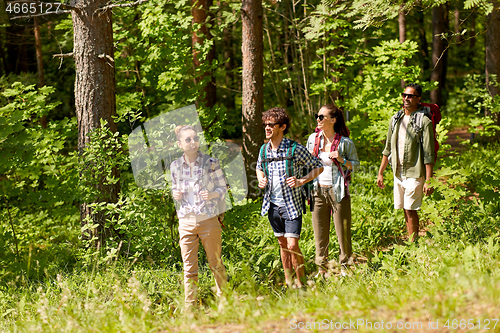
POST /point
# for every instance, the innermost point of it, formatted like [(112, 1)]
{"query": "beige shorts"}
[(408, 193)]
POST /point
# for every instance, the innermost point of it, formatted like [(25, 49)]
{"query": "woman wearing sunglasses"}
[(332, 145), (197, 183)]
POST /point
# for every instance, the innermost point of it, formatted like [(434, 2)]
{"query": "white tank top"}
[(325, 178)]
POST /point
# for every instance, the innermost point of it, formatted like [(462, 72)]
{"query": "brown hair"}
[(181, 128), (336, 112), (280, 117)]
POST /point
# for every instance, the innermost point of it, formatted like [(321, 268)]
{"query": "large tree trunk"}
[(253, 86), (493, 51), (229, 66), (202, 16), (39, 63), (440, 24), (402, 33), (422, 40), (94, 93), (457, 23)]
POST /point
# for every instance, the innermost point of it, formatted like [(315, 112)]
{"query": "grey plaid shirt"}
[(211, 179), (301, 159)]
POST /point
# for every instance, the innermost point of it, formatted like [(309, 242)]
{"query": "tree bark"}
[(252, 86), (440, 24), (422, 44), (39, 63), (493, 51), (456, 21), (202, 16), (402, 33), (229, 66), (94, 93)]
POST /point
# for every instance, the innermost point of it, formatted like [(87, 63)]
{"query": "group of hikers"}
[(329, 158)]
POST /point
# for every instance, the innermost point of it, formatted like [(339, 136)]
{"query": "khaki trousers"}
[(324, 204), (192, 229)]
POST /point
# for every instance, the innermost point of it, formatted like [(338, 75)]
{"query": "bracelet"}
[(345, 161)]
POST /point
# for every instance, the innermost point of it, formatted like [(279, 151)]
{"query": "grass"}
[(452, 277), (404, 284)]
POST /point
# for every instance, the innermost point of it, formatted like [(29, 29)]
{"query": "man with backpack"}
[(410, 148), (279, 166)]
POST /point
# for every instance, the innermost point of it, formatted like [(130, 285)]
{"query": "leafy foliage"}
[(38, 179)]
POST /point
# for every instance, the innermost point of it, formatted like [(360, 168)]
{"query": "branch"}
[(41, 14), (65, 55), (131, 4)]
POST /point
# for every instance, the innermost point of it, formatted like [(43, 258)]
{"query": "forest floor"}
[(456, 136)]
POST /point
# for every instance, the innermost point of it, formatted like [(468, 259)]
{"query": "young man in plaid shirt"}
[(283, 198)]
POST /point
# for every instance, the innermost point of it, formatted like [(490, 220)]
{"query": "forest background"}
[(82, 248)]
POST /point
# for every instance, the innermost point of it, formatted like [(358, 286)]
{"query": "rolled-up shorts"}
[(408, 192), (282, 225)]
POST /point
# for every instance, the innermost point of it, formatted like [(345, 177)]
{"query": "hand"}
[(428, 190), (177, 195), (263, 182), (204, 195), (335, 155), (293, 181), (380, 181)]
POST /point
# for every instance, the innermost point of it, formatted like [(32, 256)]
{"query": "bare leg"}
[(286, 260), (412, 224), (297, 260)]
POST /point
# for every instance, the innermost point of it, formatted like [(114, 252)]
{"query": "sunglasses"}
[(410, 96), (319, 116), (195, 139), (269, 124)]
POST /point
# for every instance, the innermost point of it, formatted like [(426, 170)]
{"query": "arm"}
[(176, 193), (219, 180), (304, 158), (380, 177), (428, 175), (261, 177), (428, 147), (385, 157), (348, 149), (310, 176)]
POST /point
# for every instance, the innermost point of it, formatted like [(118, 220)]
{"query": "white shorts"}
[(408, 193)]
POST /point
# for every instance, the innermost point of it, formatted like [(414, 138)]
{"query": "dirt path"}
[(457, 135)]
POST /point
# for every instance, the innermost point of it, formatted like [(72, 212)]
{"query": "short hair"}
[(415, 86), (279, 115), (181, 128)]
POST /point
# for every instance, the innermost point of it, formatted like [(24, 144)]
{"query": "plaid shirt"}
[(301, 159), (208, 177)]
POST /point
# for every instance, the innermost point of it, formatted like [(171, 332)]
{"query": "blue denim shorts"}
[(281, 224)]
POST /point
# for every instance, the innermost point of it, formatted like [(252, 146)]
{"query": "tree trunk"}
[(203, 18), (39, 63), (252, 86), (493, 51), (456, 14), (402, 33), (440, 24), (422, 40), (229, 66), (94, 93)]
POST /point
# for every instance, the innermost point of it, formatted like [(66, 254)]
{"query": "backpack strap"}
[(289, 159), (264, 160), (205, 158), (396, 118), (317, 140)]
